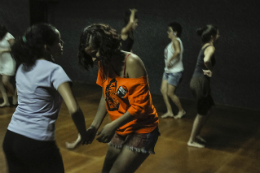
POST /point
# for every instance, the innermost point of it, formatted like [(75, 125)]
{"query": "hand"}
[(106, 133), (168, 65), (90, 135), (133, 10), (72, 145), (207, 73)]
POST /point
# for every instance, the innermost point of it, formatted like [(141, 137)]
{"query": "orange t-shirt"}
[(132, 95)]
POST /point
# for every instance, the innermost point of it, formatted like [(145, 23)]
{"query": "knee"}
[(163, 91), (170, 94)]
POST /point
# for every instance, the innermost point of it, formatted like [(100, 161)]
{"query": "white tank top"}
[(176, 63)]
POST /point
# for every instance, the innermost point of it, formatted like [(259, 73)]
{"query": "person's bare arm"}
[(11, 42), (207, 60), (101, 112), (92, 130), (74, 110), (128, 27), (177, 50)]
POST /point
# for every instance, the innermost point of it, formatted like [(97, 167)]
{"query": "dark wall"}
[(15, 16), (236, 76)]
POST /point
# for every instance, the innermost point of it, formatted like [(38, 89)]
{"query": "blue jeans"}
[(172, 78)]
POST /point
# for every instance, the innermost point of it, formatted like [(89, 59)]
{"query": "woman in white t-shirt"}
[(29, 144), (173, 70), (7, 66)]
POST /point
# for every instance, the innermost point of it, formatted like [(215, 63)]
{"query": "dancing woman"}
[(29, 143), (7, 66), (127, 33), (133, 132), (173, 70), (200, 82)]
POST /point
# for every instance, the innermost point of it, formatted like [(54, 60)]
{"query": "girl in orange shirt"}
[(133, 132)]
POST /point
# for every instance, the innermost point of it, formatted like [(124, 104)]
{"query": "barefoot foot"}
[(168, 115), (180, 114), (195, 144), (200, 139)]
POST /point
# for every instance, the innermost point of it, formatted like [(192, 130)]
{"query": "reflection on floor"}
[(233, 139)]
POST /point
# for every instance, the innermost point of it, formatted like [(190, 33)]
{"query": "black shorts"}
[(200, 87)]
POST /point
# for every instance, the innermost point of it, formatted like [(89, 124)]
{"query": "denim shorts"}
[(172, 78), (137, 142)]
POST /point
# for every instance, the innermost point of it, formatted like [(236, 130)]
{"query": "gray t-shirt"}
[(38, 100)]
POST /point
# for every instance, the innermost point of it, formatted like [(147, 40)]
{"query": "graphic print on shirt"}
[(111, 98), (121, 92)]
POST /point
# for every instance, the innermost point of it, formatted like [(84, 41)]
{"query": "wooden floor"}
[(233, 140)]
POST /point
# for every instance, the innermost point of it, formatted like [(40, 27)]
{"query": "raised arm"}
[(128, 27)]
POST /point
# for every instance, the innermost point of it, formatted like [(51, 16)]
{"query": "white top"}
[(7, 63), (38, 100), (176, 63)]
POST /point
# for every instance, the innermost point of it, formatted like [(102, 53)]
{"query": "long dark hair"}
[(30, 47), (3, 31), (206, 32), (102, 38)]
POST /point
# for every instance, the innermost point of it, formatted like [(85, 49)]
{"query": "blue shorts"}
[(172, 78)]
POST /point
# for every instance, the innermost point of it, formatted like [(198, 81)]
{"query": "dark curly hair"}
[(30, 47), (102, 38), (3, 31), (206, 32), (176, 27)]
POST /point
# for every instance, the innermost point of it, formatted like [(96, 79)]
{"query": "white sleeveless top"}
[(176, 63)]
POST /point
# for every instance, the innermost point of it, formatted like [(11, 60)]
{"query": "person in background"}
[(200, 82), (7, 66), (173, 55), (127, 33)]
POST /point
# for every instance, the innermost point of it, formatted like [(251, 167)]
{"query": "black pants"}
[(31, 156)]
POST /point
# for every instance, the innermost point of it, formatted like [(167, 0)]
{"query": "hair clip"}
[(24, 39)]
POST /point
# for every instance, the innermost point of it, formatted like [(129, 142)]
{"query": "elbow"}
[(135, 111), (138, 110), (178, 52)]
